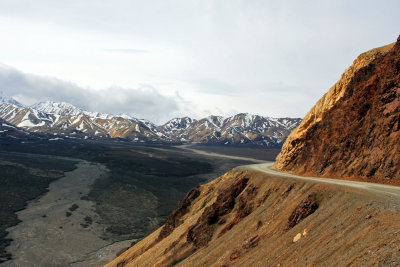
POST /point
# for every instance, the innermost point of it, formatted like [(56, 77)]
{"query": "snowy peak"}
[(289, 123), (9, 100), (216, 121), (178, 124), (67, 109), (244, 120), (57, 108)]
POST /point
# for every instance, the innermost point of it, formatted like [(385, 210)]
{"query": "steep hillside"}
[(354, 129), (68, 121), (247, 218)]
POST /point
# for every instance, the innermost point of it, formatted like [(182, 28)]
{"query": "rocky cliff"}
[(354, 129)]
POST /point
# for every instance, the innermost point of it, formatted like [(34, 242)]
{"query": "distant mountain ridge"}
[(238, 129), (64, 119)]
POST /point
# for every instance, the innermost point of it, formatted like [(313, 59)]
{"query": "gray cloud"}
[(144, 102)]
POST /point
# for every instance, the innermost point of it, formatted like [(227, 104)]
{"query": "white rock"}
[(297, 237)]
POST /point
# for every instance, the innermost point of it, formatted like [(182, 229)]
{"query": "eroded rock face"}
[(201, 233), (306, 207), (175, 218), (354, 129), (245, 207)]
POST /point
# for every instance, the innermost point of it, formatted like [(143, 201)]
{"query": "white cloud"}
[(144, 102), (125, 50)]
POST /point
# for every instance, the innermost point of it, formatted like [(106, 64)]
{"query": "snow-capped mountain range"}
[(67, 121)]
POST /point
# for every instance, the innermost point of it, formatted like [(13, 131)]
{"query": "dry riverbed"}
[(61, 229)]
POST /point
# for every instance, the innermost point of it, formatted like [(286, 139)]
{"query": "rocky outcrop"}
[(354, 129), (175, 218), (202, 231), (306, 207)]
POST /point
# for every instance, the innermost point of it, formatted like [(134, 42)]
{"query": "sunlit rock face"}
[(353, 131)]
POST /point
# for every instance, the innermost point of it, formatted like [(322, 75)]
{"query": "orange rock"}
[(354, 129)]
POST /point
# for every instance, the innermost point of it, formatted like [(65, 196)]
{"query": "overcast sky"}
[(163, 59)]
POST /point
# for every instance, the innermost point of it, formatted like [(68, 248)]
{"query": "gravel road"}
[(382, 189)]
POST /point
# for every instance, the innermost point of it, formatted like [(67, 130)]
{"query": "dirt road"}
[(263, 166), (388, 190), (212, 154)]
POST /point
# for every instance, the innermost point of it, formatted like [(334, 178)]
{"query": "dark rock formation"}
[(245, 207), (306, 207), (201, 232), (174, 219)]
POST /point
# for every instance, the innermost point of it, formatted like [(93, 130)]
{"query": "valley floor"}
[(58, 227), (70, 224)]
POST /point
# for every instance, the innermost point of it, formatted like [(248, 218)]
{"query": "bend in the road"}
[(388, 190)]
